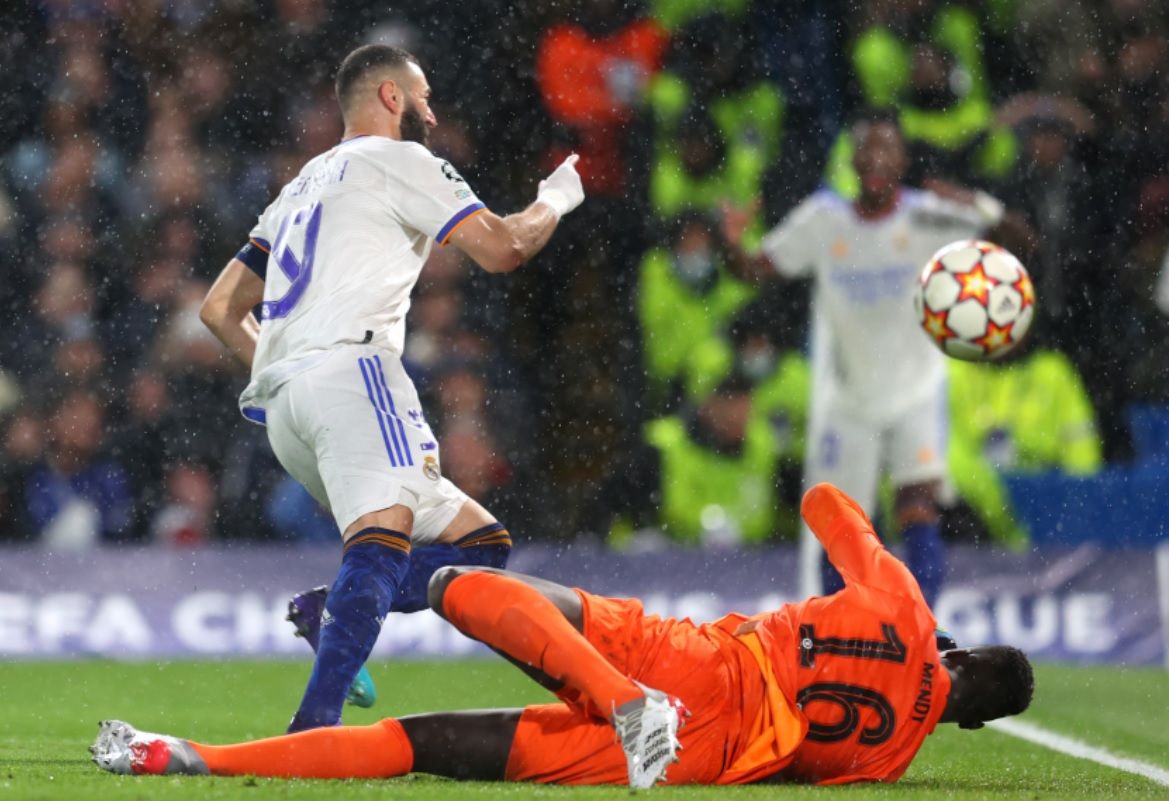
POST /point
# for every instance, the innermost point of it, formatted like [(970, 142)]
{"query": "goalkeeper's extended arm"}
[(852, 546)]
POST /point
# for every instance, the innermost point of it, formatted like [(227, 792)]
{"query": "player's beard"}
[(414, 126)]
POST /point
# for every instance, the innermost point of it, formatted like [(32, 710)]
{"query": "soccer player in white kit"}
[(878, 384), (332, 262)]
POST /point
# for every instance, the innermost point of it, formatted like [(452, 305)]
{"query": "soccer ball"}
[(975, 300)]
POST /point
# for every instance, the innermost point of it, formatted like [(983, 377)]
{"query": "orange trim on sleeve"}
[(460, 224), (261, 247)]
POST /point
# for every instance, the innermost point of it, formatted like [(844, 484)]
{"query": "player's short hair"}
[(363, 61), (1011, 685)]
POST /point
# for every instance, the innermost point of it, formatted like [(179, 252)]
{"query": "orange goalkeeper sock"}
[(516, 619), (333, 752)]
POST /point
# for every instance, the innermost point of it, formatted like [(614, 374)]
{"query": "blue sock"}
[(488, 546), (374, 563), (830, 579), (926, 557)]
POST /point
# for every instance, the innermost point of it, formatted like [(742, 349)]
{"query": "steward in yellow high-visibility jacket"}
[(1028, 415)]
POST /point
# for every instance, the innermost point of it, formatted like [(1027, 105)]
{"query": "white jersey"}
[(347, 239), (870, 358)]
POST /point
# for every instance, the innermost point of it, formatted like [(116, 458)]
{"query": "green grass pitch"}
[(50, 710)]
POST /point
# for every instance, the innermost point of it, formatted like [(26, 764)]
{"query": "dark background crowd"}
[(139, 139)]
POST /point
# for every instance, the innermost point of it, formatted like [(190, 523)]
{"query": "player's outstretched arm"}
[(852, 545), (1004, 226), (227, 309), (501, 244), (754, 268)]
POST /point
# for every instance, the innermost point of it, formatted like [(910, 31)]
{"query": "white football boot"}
[(648, 730), (120, 748)]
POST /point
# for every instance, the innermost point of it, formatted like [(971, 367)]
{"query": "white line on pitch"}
[(1076, 748)]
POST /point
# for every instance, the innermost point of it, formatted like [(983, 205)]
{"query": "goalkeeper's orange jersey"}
[(861, 665)]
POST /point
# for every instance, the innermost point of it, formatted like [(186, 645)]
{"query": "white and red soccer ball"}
[(975, 300)]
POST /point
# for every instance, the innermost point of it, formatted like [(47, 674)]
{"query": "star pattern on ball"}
[(1026, 290), (996, 338), (975, 284), (935, 325)]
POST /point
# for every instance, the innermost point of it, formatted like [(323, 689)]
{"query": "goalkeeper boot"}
[(304, 611), (648, 730), (120, 748)]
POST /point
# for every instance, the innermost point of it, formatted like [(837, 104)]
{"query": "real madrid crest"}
[(430, 468)]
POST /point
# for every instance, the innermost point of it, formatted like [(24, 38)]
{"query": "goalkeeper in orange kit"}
[(833, 689)]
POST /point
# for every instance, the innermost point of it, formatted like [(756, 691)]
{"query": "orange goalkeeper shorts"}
[(712, 673)]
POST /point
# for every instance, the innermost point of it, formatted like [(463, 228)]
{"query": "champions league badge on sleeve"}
[(451, 173)]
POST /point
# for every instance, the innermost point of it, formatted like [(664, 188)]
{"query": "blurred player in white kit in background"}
[(333, 260), (878, 384)]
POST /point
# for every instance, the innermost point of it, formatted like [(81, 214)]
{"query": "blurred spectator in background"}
[(76, 496), (186, 518), (673, 14), (685, 295), (436, 314), (80, 360), (760, 347), (802, 51), (1029, 414), (708, 475), (717, 123), (147, 300), (592, 70), (924, 60), (462, 396), (63, 309), (1140, 337), (471, 455), (23, 446), (145, 441), (1053, 187), (1051, 39)]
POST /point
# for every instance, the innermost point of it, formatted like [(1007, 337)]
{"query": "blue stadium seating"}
[(1122, 506)]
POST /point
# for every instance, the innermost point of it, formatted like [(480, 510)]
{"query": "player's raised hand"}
[(825, 507), (562, 191), (736, 220)]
